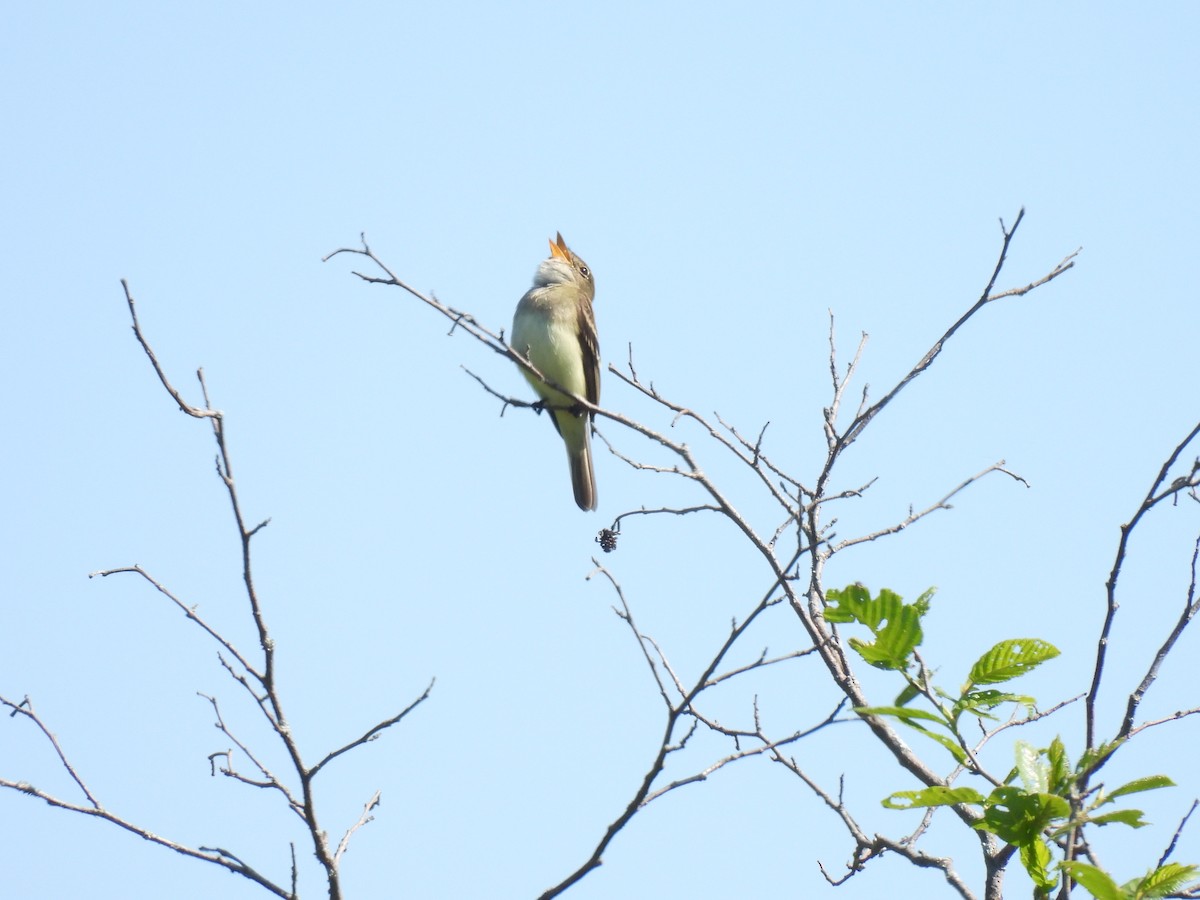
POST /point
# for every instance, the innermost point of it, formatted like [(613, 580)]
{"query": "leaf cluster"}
[(1042, 804)]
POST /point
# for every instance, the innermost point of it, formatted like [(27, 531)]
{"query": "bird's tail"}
[(583, 479)]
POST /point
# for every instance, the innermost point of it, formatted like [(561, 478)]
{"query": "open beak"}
[(560, 249)]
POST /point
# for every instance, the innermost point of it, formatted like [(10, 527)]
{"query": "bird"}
[(554, 329)]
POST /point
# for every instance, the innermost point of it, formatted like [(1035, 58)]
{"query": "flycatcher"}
[(554, 329)]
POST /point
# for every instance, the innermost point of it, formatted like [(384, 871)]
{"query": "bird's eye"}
[(585, 271)]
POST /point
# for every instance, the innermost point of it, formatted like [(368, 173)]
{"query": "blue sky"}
[(730, 176)]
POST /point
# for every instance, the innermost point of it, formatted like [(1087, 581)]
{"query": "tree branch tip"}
[(104, 573)]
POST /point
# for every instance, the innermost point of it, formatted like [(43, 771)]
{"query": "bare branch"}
[(1190, 607), (458, 318), (912, 517), (189, 611), (1173, 717), (25, 708), (1166, 854), (366, 817), (94, 809), (1153, 498), (760, 663), (840, 384), (626, 615), (810, 608), (1025, 720), (196, 412), (870, 847), (863, 419), (724, 761), (258, 680), (268, 778), (374, 731), (675, 711), (663, 511)]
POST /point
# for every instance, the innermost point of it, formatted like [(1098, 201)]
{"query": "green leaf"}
[(1018, 816), (922, 603), (845, 604), (1060, 767), (1149, 783), (1035, 774), (978, 701), (913, 718), (881, 654), (905, 713), (1131, 817), (1093, 758), (959, 754), (1036, 858), (1009, 659), (933, 796), (875, 612), (895, 625), (1166, 880), (1097, 882), (910, 693)]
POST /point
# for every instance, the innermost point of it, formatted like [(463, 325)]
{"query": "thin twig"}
[(1166, 854), (189, 611), (216, 856), (863, 419), (1190, 607), (25, 708), (366, 817), (194, 411), (1152, 499), (913, 517), (374, 731)]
